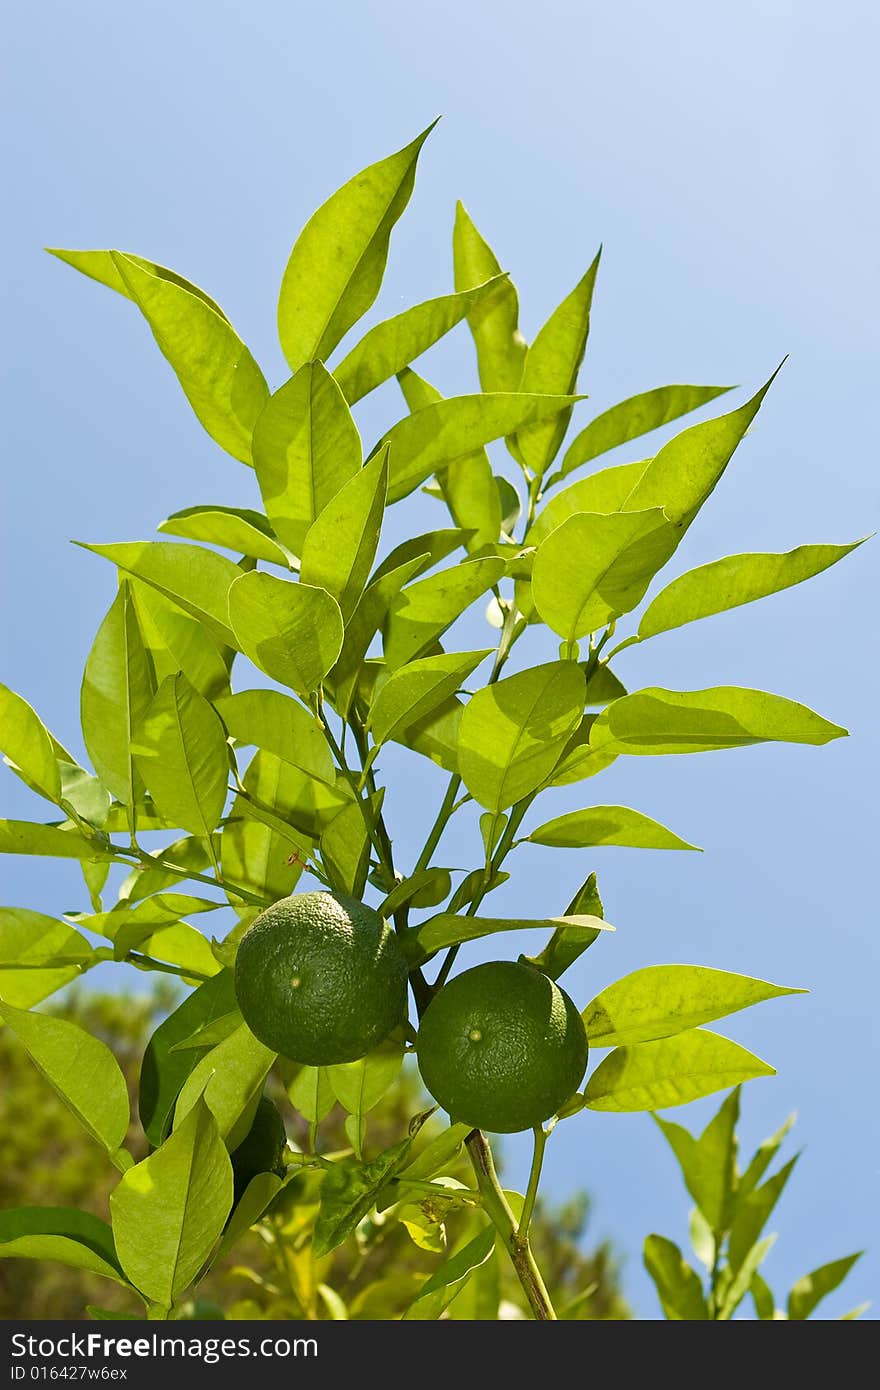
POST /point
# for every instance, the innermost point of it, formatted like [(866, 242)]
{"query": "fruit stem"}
[(525, 1220), (497, 1208)]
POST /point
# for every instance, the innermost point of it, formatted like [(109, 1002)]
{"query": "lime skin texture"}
[(262, 1148), (502, 1047), (320, 978)]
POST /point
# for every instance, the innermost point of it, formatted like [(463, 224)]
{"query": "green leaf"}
[(453, 1274), (341, 543), (579, 759), (753, 1213), (257, 1196), (234, 528), (436, 736), (359, 1086), (277, 724), (196, 579), (158, 910), (593, 568), (336, 266), (672, 1071), (501, 348), (28, 939), (633, 417), (306, 447), (369, 615), (209, 1034), (27, 745), (81, 1068), (169, 1210), (762, 1296), (429, 549), (426, 888), (163, 1070), (678, 1286), (450, 429), (220, 378), (708, 1164), (180, 751), (189, 852), (183, 946), (447, 929), (101, 266), (414, 690), (568, 943), (662, 1000), (178, 641), (439, 1154), (349, 1192), (117, 690), (51, 841), (606, 825), (291, 631), (603, 687), (345, 847), (552, 364), (604, 492), (392, 345), (229, 1078), (685, 471), (808, 1292), (421, 612), (762, 1158), (702, 1239), (257, 855), (742, 1281), (512, 733), (733, 581), (75, 1238), (656, 721), (312, 1094)]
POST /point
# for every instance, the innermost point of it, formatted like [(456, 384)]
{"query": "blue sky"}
[(726, 157)]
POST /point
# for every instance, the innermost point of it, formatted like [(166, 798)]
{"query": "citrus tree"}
[(236, 712)]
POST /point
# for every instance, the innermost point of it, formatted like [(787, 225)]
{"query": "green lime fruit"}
[(320, 978), (502, 1047), (262, 1148)]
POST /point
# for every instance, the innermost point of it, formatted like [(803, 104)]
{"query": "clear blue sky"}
[(726, 155)]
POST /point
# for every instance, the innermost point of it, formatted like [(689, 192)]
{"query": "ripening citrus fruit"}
[(262, 1148), (320, 978), (502, 1047)]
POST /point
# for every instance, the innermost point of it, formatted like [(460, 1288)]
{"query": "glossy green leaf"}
[(220, 378), (117, 690), (429, 549), (209, 1034), (579, 759), (436, 735), (633, 417), (258, 855), (512, 733), (450, 429), (143, 917), (414, 690), (426, 888), (742, 1281), (340, 545), (662, 1000), (392, 345), (695, 721), (306, 447), (447, 929), (75, 1238), (278, 725), (169, 1210), (708, 1164), (81, 1068), (180, 751), (260, 1192), (568, 943), (27, 940), (336, 266), (51, 841), (593, 568), (671, 1071), (163, 1070), (421, 612), (311, 1093), (28, 745), (731, 582), (291, 631), (182, 945), (808, 1292), (762, 1158), (501, 348), (762, 1297), (685, 471), (678, 1286), (349, 1192), (753, 1213), (101, 266), (196, 579), (234, 528), (345, 847), (178, 641), (552, 364), (359, 1086), (229, 1078), (603, 687), (189, 852), (452, 1276), (369, 615), (604, 492), (606, 825)]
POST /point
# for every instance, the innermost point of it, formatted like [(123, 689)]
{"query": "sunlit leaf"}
[(672, 1071)]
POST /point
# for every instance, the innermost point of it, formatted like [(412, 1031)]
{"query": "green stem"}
[(525, 1220), (150, 963), (443, 815), (366, 810), (151, 861), (498, 1210)]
